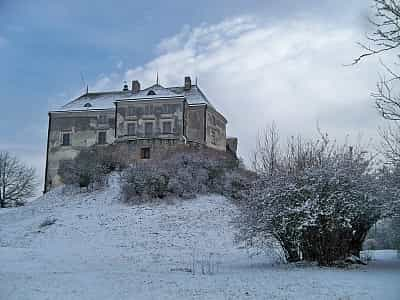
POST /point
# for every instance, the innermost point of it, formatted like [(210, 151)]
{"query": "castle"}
[(148, 123)]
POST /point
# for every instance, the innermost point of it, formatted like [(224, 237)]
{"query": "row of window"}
[(102, 135), (148, 128), (151, 109), (66, 141), (101, 138)]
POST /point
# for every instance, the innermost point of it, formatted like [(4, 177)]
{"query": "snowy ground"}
[(101, 249)]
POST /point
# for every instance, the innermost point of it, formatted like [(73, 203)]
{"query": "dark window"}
[(167, 127), (151, 93), (88, 105), (102, 139), (148, 128), (131, 111), (213, 137), (149, 109), (145, 153), (131, 129), (102, 119), (66, 139)]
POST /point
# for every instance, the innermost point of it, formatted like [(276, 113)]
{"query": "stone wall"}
[(83, 129), (162, 149), (215, 129), (195, 123)]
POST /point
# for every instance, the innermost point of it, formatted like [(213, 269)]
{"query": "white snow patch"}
[(99, 248)]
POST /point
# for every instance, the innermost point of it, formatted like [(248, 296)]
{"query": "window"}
[(102, 119), (131, 111), (151, 93), (148, 128), (145, 153), (213, 137), (131, 128), (149, 109), (102, 138), (66, 139), (167, 127), (88, 105)]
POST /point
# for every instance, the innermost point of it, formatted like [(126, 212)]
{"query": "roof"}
[(105, 100)]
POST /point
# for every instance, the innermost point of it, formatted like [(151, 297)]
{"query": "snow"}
[(105, 100), (99, 248)]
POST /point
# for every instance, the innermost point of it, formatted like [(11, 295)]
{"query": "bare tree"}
[(385, 41), (391, 143), (17, 181), (267, 148), (385, 37)]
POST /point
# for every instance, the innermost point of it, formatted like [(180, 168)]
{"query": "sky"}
[(257, 61)]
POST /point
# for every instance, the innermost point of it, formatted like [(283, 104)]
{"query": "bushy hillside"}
[(71, 245)]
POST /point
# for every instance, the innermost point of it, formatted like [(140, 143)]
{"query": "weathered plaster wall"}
[(162, 149), (231, 144), (215, 129), (156, 112), (195, 123), (83, 128)]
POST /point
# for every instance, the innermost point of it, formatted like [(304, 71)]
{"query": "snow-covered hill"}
[(99, 248)]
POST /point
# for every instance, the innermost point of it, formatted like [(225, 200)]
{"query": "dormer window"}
[(88, 105), (151, 93)]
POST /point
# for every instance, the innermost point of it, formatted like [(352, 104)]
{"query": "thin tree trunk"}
[(357, 241), (2, 197)]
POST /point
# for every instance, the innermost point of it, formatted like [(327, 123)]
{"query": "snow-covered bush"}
[(144, 181), (318, 200), (88, 169), (391, 182), (385, 234), (181, 175)]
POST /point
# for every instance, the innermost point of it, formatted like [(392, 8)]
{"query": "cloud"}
[(289, 72)]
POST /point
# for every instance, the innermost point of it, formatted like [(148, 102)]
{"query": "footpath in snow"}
[(99, 248)]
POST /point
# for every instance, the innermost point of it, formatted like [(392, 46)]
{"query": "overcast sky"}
[(257, 61)]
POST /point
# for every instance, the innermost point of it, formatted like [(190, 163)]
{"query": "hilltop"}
[(72, 245)]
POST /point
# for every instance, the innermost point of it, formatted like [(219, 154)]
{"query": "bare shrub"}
[(89, 168), (316, 198), (182, 175), (142, 182)]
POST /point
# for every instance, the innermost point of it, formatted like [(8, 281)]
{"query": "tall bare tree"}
[(17, 181), (384, 41), (266, 154)]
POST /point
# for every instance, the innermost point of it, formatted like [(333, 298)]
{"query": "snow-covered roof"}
[(105, 100)]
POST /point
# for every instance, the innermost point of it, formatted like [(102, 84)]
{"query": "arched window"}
[(88, 105), (151, 93)]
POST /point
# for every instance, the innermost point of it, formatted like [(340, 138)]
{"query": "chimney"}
[(135, 86), (125, 88), (188, 83)]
